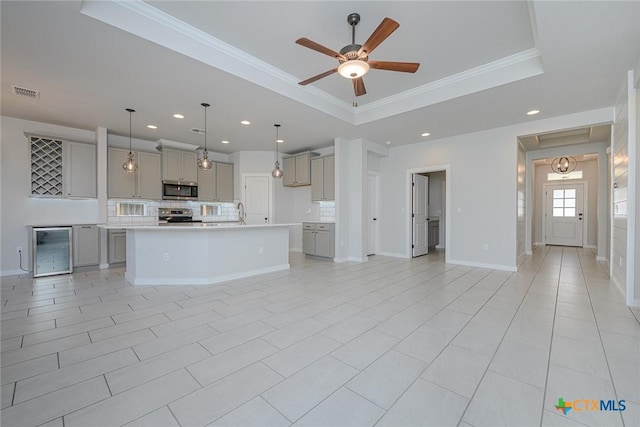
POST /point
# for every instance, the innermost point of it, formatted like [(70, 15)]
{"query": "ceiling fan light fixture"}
[(353, 68)]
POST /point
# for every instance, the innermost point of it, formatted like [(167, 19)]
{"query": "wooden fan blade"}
[(405, 67), (319, 48), (318, 77), (384, 30), (358, 86)]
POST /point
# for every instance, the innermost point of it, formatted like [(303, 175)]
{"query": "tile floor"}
[(391, 342)]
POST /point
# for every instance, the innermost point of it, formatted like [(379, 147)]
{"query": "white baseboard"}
[(208, 281), (392, 254), (439, 246), (601, 258), (483, 265), (635, 304), (103, 266), (13, 272), (351, 258), (538, 244), (619, 286), (590, 247), (295, 249)]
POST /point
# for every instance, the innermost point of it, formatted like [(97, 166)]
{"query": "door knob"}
[(375, 219)]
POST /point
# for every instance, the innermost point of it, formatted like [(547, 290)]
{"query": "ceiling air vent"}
[(23, 91), (198, 131)]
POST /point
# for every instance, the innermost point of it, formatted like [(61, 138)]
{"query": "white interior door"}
[(564, 214), (372, 215), (420, 212), (257, 199)]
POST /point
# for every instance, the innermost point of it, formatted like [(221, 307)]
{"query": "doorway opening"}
[(428, 219)]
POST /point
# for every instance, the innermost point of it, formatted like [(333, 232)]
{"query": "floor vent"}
[(23, 91)]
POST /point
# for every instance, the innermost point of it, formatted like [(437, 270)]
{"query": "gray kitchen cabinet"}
[(145, 183), (318, 239), (178, 165), (434, 232), (86, 245), (79, 171), (323, 179), (297, 170), (216, 184), (117, 246)]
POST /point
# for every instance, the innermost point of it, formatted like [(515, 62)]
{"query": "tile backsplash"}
[(327, 211), (145, 212)]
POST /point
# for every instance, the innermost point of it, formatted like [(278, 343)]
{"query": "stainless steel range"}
[(176, 216)]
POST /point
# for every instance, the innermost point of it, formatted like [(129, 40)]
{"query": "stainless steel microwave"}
[(176, 190)]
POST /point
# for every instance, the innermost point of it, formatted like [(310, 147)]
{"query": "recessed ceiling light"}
[(388, 142), (224, 142), (279, 141), (245, 122), (532, 112), (425, 134), (178, 116), (152, 126)]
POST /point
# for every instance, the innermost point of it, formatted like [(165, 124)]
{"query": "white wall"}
[(18, 209), (521, 206), (590, 176), (620, 154), (481, 196), (482, 184)]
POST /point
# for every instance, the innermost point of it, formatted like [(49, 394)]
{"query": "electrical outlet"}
[(19, 249), (261, 250), (485, 246), (165, 256)]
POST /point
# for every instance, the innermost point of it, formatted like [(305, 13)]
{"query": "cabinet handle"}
[(86, 226)]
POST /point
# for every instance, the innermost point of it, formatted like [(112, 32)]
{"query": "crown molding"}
[(145, 21)]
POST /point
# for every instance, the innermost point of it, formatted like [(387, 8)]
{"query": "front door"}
[(420, 212), (564, 214), (256, 199)]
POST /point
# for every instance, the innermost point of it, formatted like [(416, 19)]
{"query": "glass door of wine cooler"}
[(51, 253)]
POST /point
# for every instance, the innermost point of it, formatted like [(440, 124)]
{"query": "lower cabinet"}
[(318, 239), (117, 246), (86, 245)]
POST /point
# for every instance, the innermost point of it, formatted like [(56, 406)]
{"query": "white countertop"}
[(191, 226)]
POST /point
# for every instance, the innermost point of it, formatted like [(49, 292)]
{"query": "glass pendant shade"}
[(130, 165), (277, 172), (204, 163)]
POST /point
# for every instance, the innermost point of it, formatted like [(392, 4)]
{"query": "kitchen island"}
[(203, 254)]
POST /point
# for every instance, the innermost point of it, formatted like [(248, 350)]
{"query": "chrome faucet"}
[(241, 214)]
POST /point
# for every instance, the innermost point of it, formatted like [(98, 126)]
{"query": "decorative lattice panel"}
[(46, 167)]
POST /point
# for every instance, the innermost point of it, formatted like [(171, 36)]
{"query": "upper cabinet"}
[(178, 165), (323, 179), (297, 170), (145, 183), (216, 184), (79, 170), (62, 168)]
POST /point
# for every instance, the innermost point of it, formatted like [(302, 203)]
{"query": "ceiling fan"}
[(354, 58)]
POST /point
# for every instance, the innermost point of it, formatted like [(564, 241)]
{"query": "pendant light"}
[(564, 165), (277, 172), (130, 165), (204, 163)]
